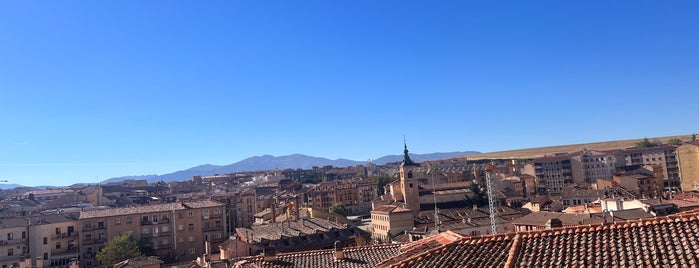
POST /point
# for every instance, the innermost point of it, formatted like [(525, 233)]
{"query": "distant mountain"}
[(140, 177), (269, 162), (422, 157), (9, 186)]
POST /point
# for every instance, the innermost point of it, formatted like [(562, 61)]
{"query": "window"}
[(190, 238), (146, 230), (190, 227), (58, 230), (219, 235), (190, 214), (155, 218), (117, 221), (144, 218), (166, 241), (218, 223), (10, 252), (217, 211), (24, 235), (58, 245), (10, 236), (181, 239), (192, 251), (165, 229), (46, 256), (46, 241), (180, 227), (128, 219)]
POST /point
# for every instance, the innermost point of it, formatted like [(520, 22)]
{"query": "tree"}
[(145, 245), (381, 181), (694, 137), (675, 141), (645, 143), (119, 248), (338, 208)]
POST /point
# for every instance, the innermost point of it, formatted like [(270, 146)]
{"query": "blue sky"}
[(91, 90)]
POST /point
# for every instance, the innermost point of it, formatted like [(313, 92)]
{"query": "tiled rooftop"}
[(147, 209), (670, 241), (307, 234), (355, 257)]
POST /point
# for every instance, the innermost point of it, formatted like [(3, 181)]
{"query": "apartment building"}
[(589, 166), (53, 240), (13, 242), (178, 229), (688, 162), (661, 155), (553, 173), (388, 221), (355, 195)]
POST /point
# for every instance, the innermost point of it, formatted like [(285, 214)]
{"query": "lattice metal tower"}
[(492, 204)]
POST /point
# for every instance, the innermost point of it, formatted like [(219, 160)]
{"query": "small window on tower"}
[(410, 175), (411, 185)]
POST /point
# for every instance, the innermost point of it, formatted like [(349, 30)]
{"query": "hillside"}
[(543, 151)]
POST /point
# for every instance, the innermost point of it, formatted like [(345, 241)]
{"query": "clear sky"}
[(91, 90)]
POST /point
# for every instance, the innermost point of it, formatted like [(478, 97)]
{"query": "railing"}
[(211, 228)]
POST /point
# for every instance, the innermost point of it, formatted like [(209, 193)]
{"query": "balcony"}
[(211, 229), (65, 235)]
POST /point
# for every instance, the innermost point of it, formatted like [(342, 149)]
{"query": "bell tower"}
[(408, 181)]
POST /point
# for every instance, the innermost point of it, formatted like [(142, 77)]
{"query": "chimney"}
[(339, 254), (74, 263), (207, 248), (268, 254), (553, 223), (39, 262)]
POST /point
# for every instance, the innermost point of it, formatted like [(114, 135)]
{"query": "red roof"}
[(657, 242)]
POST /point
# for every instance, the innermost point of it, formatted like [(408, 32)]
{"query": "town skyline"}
[(92, 91)]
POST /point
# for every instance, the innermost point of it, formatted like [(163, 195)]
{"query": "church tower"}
[(408, 182)]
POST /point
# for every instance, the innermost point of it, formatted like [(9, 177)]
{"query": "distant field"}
[(543, 151)]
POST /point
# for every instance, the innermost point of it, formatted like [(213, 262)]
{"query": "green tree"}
[(645, 143), (119, 248), (675, 141), (381, 181), (478, 195), (338, 208), (694, 137), (145, 245)]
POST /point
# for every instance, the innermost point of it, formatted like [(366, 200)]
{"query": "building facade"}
[(661, 155), (553, 173), (688, 163), (53, 240), (176, 229)]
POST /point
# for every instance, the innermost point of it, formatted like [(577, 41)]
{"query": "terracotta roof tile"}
[(147, 209), (356, 257), (665, 241)]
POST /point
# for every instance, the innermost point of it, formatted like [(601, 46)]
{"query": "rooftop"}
[(354, 257), (663, 241), (148, 209)]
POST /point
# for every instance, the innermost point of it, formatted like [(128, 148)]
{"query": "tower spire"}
[(406, 158)]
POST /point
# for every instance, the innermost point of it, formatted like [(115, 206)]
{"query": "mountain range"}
[(269, 162)]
